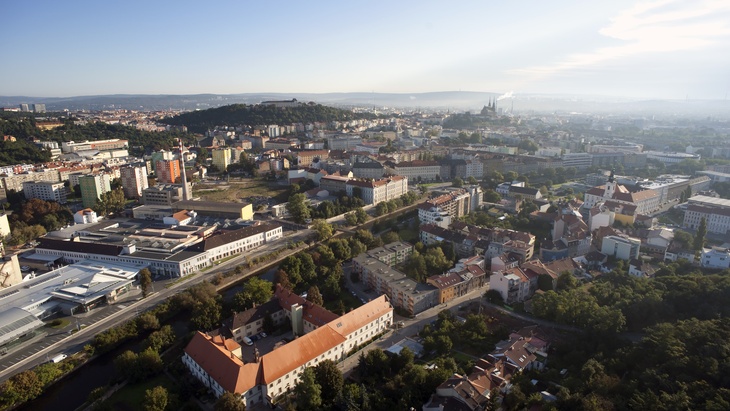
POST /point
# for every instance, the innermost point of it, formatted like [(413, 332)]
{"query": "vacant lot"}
[(237, 191)]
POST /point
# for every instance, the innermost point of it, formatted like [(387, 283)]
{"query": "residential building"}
[(715, 257), (15, 181), (377, 191), (85, 216), (368, 169), (624, 248), (416, 170), (456, 204), (45, 190), (221, 365), (305, 158), (92, 188), (168, 171), (466, 277), (222, 158), (512, 284), (134, 180), (715, 211)]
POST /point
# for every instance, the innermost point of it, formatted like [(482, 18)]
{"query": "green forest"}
[(253, 115)]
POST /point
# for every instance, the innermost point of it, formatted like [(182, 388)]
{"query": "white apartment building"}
[(715, 257), (624, 248), (715, 211), (134, 180), (45, 190)]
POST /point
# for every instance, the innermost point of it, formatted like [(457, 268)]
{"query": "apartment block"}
[(134, 180), (45, 191)]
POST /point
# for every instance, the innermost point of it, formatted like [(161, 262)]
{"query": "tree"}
[(314, 296), (545, 282), (281, 277), (145, 281), (390, 237), (492, 196), (329, 377), (161, 339), (323, 228), (229, 402), (149, 363), (111, 202), (307, 392), (699, 241), (256, 291), (155, 399), (457, 182), (126, 365), (206, 315), (148, 321), (494, 297), (361, 215), (297, 208), (471, 180), (351, 219)]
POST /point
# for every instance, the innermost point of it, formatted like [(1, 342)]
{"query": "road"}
[(411, 328), (40, 348)]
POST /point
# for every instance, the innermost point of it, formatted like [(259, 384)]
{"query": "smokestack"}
[(186, 189)]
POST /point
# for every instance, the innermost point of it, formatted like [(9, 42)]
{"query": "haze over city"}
[(659, 49)]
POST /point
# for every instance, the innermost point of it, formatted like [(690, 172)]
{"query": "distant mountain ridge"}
[(444, 100)]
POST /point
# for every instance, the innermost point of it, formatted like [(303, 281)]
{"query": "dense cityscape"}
[(365, 206)]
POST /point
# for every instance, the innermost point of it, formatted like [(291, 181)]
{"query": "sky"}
[(663, 49)]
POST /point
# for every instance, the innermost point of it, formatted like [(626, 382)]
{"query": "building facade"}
[(92, 188), (45, 191), (134, 180)]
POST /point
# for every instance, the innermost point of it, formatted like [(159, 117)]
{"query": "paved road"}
[(42, 347), (411, 328)]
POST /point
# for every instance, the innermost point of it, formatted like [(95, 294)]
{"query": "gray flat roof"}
[(14, 322)]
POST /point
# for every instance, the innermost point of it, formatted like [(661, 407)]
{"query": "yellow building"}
[(222, 158)]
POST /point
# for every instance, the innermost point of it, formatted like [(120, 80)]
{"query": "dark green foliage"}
[(241, 114)]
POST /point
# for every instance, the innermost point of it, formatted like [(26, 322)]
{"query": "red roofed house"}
[(217, 362)]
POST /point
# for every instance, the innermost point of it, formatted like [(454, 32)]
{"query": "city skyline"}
[(660, 49)]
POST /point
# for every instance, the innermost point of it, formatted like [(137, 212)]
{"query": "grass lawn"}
[(131, 397), (236, 190), (410, 235), (347, 299), (59, 323)]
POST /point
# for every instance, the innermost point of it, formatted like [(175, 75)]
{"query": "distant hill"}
[(252, 115), (446, 100)]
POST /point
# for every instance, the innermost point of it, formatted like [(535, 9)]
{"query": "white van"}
[(58, 358), (247, 341)]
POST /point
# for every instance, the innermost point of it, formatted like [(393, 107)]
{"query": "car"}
[(25, 268), (263, 335), (247, 341), (255, 338)]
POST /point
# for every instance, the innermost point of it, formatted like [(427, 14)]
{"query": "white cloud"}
[(664, 26)]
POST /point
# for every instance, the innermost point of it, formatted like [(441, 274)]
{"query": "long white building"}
[(220, 365), (715, 211)]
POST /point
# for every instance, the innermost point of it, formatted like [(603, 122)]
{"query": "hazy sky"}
[(663, 49)]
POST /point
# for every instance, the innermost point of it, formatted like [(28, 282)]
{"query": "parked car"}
[(263, 335), (25, 268), (247, 341)]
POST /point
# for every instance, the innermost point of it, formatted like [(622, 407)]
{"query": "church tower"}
[(610, 186)]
